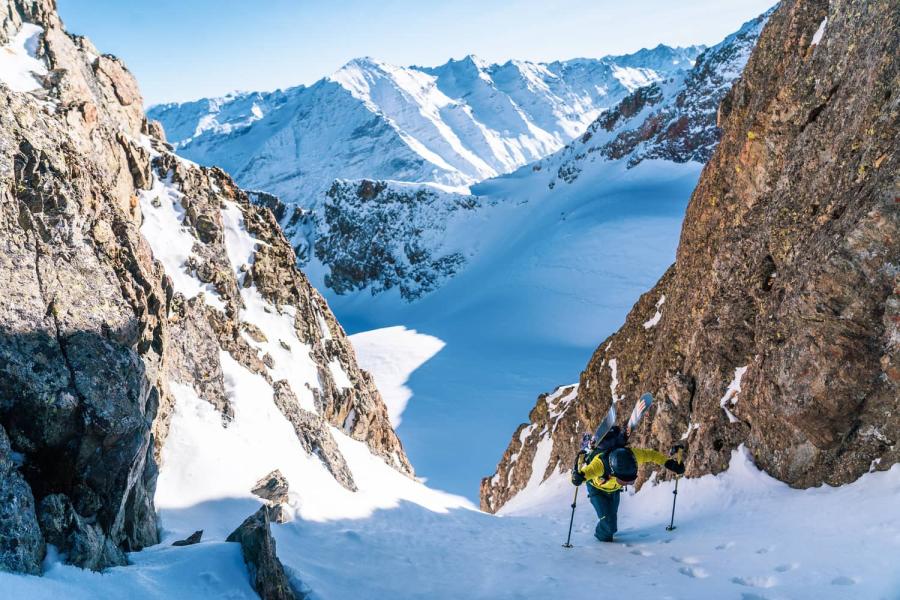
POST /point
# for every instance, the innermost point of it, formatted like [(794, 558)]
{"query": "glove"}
[(578, 477), (675, 466)]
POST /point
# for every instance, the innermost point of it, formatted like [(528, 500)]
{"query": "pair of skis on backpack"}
[(643, 405)]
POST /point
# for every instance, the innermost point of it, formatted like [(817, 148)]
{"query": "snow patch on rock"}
[(731, 394), (20, 67), (650, 323)]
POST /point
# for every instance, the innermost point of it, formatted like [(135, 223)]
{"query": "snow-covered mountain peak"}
[(454, 124)]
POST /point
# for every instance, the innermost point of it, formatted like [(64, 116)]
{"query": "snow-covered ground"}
[(738, 535)]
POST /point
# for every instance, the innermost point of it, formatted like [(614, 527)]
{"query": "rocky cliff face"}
[(778, 327), (126, 269)]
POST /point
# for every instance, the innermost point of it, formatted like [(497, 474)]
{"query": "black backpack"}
[(615, 438)]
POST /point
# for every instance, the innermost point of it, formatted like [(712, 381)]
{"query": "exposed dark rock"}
[(190, 540), (787, 267), (84, 543), (21, 542), (83, 306), (267, 574), (372, 238), (194, 353)]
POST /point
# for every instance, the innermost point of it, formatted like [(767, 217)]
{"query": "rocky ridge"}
[(777, 326), (672, 119), (128, 270)]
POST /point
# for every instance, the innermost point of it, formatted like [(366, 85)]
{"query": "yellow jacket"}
[(593, 471)]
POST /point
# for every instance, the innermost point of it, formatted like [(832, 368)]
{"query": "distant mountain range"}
[(452, 125), (377, 235)]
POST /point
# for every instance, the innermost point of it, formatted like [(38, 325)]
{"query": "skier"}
[(610, 466)]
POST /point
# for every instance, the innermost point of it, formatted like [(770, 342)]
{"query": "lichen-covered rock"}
[(194, 352), (267, 574), (21, 542), (82, 315), (778, 327), (97, 320)]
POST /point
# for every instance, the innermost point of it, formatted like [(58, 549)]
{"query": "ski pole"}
[(568, 543), (674, 498), (678, 451)]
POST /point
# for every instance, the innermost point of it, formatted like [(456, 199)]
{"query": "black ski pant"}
[(607, 506)]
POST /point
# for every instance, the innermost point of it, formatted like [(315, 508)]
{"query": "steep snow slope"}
[(454, 125), (739, 535)]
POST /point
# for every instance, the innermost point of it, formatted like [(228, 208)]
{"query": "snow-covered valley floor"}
[(739, 535)]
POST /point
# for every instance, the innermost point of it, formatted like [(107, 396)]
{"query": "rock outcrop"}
[(273, 488), (83, 310), (377, 235), (778, 326), (21, 543), (267, 575), (190, 540), (128, 270)]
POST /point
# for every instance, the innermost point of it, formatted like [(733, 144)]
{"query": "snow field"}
[(739, 534), (554, 272)]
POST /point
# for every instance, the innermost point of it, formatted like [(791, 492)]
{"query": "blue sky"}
[(186, 49)]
